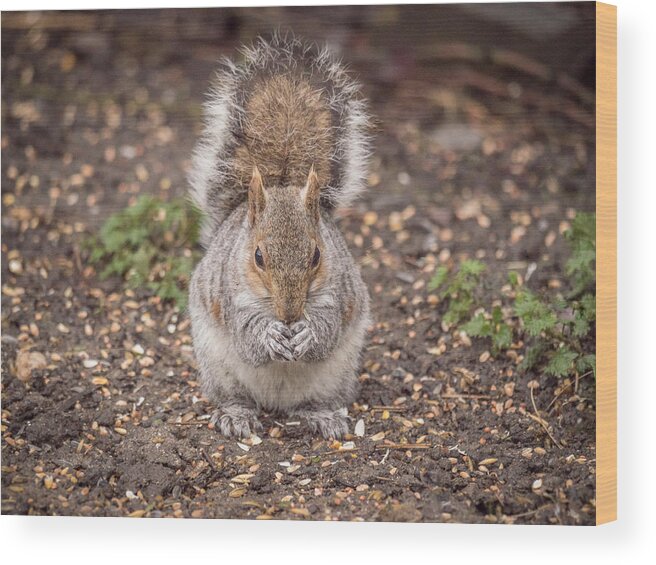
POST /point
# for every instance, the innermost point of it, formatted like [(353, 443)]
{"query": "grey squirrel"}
[(278, 308)]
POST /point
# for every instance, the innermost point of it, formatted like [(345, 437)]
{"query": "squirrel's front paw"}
[(236, 421), (331, 424), (302, 340), (278, 342)]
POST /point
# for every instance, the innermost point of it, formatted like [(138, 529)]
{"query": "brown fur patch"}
[(287, 131), (348, 312), (258, 280), (216, 312)]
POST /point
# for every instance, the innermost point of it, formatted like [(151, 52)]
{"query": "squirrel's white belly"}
[(285, 385)]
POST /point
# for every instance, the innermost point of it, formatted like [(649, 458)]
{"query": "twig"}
[(191, 423), (529, 513), (540, 421), (404, 446), (564, 389), (459, 395), (209, 460), (388, 408)]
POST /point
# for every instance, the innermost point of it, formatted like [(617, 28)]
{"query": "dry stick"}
[(472, 396), (209, 460), (190, 423), (540, 421), (388, 408), (403, 446), (530, 512), (564, 389)]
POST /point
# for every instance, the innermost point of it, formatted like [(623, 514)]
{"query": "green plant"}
[(580, 266), (149, 244), (492, 326), (458, 290), (557, 332)]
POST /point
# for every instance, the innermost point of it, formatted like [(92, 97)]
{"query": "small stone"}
[(146, 361), (28, 361), (370, 218), (16, 267)]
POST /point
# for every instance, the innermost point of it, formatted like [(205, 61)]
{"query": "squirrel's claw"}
[(301, 342), (330, 424), (236, 421), (278, 346)]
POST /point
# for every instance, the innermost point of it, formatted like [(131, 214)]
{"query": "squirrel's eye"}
[(259, 260), (316, 257)]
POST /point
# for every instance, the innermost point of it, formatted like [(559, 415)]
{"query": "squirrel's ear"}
[(311, 193), (256, 196)]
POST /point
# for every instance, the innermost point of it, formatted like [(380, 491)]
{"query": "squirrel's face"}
[(286, 251)]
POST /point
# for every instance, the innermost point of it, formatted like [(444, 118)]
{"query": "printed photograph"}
[(326, 263)]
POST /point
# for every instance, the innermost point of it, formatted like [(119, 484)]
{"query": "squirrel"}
[(278, 308)]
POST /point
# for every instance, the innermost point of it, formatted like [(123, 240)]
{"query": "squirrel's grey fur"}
[(286, 338)]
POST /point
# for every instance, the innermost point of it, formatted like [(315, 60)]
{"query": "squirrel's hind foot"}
[(331, 424), (236, 421)]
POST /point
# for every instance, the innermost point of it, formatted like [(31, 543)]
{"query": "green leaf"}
[(560, 362), (532, 356), (148, 245), (438, 278), (502, 337), (580, 325), (478, 326), (586, 363), (536, 316), (589, 307), (472, 267)]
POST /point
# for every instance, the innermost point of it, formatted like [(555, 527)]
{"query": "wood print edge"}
[(606, 199)]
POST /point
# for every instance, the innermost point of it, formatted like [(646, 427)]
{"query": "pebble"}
[(28, 361), (16, 267)]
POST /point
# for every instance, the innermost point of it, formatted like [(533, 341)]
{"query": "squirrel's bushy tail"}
[(287, 106)]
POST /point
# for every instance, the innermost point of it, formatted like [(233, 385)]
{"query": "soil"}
[(474, 157)]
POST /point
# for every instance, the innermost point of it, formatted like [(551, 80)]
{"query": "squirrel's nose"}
[(289, 314)]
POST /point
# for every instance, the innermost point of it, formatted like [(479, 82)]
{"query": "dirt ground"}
[(478, 154)]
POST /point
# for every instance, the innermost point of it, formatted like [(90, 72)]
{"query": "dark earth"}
[(484, 149)]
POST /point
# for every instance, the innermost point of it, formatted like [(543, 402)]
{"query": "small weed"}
[(557, 332), (150, 244), (458, 290)]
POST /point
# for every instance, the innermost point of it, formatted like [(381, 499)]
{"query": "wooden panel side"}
[(606, 121)]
